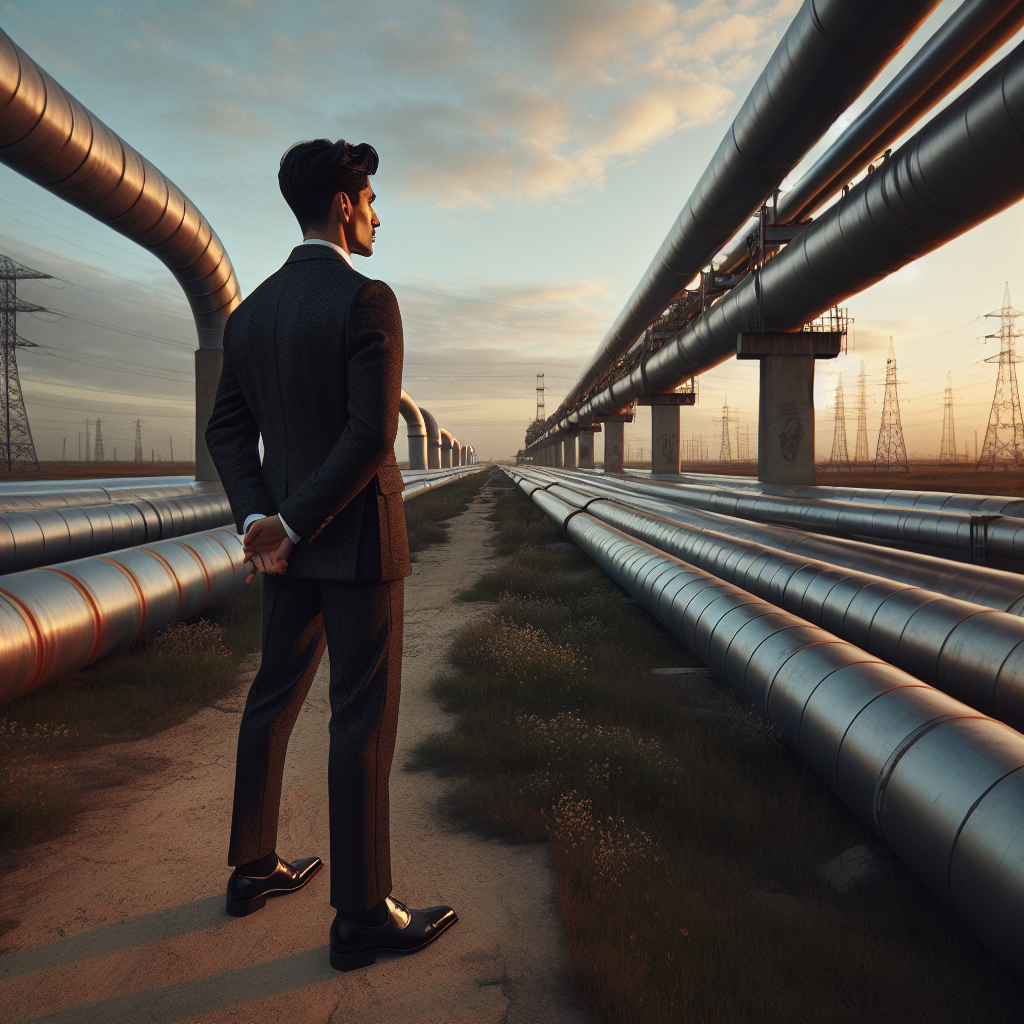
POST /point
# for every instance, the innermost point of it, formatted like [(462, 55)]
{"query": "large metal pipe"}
[(48, 136), (941, 784), (829, 54), (456, 452), (417, 431), (978, 584), (447, 443), (433, 439), (971, 652), (37, 537), (957, 171), (962, 43), (22, 495), (58, 619)]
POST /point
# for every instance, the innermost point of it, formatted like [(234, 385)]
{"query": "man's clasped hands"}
[(266, 547)]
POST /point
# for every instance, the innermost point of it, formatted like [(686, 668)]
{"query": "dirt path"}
[(123, 921)]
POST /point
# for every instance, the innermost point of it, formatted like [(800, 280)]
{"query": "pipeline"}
[(417, 430), (971, 652), (829, 54), (964, 41), (958, 170), (941, 784), (28, 494), (43, 536), (956, 535), (433, 439)]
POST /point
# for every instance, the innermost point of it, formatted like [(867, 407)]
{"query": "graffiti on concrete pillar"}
[(791, 433)]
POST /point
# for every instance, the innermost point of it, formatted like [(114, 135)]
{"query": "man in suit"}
[(313, 363)]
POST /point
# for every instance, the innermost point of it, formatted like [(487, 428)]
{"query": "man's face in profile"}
[(360, 229)]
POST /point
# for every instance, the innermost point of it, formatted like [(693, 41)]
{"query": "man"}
[(313, 363)]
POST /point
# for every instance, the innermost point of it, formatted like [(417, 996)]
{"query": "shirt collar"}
[(337, 248)]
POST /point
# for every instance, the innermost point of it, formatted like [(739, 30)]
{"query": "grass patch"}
[(687, 839), (425, 515), (152, 685)]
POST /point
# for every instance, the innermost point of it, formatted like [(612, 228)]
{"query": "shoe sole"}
[(243, 908), (353, 961)]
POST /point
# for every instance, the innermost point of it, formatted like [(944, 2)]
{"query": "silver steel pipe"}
[(978, 584), (433, 439), (944, 532), (23, 495), (456, 452), (964, 649), (958, 170), (48, 136), (829, 54), (417, 430), (415, 487), (37, 537), (56, 620), (941, 784), (447, 443), (962, 43)]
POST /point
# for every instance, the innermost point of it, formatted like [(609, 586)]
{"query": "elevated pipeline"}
[(958, 170), (970, 35), (828, 55), (971, 652), (941, 784)]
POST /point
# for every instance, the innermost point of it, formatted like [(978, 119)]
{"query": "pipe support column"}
[(587, 449), (614, 446), (785, 426), (665, 439), (569, 451)]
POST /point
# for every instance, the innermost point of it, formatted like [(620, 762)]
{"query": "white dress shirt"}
[(249, 520)]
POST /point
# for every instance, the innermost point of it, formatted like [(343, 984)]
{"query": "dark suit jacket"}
[(313, 361)]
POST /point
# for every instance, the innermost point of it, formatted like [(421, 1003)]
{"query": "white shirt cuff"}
[(289, 532)]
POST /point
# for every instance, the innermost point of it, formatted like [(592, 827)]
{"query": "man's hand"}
[(266, 547)]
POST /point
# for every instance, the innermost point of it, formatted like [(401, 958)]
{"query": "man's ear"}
[(344, 207)]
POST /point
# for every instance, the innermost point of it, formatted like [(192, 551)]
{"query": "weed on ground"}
[(687, 839), (425, 515)]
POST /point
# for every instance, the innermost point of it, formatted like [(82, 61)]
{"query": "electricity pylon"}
[(891, 452), (725, 455), (947, 451), (840, 458), (16, 444), (1004, 438), (98, 443), (861, 453), (138, 440)]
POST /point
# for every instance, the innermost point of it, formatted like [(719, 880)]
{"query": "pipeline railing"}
[(941, 784), (58, 619), (956, 171), (828, 55), (971, 652), (962, 43)]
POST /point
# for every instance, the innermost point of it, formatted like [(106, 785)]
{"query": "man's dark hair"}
[(313, 173)]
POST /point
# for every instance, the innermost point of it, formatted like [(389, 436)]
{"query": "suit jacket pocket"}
[(389, 480)]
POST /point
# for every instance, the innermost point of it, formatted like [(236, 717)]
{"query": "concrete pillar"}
[(665, 439), (556, 452), (587, 449), (209, 362), (614, 446), (569, 451), (785, 430)]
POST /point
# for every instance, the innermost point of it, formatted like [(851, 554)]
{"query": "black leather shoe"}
[(247, 895), (405, 931)]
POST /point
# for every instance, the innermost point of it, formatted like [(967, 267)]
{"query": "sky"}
[(533, 157)]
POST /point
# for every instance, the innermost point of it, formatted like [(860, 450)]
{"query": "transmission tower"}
[(541, 415), (98, 443), (16, 444), (861, 453), (947, 451), (1004, 438), (725, 455), (840, 458), (891, 452), (138, 440)]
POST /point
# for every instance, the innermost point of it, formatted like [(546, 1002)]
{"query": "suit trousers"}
[(361, 626)]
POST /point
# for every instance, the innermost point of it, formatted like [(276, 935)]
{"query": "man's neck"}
[(312, 238)]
